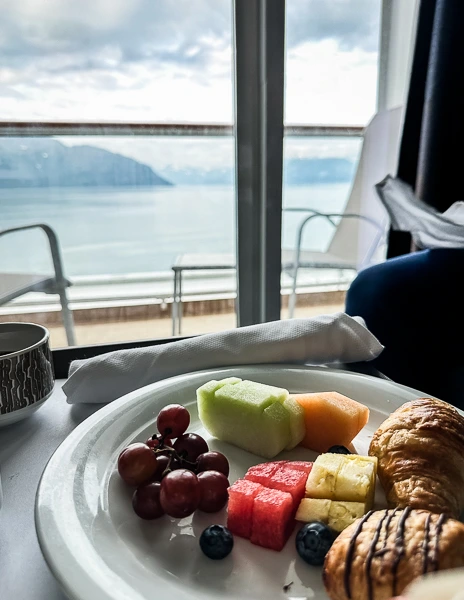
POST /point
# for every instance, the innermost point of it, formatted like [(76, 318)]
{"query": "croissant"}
[(379, 555), (420, 451)]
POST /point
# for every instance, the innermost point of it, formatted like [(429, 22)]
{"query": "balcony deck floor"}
[(122, 331)]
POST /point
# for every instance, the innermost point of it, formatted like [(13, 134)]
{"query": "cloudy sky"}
[(171, 60)]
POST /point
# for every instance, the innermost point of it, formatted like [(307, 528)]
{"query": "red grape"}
[(213, 490), (190, 446), (173, 420), (180, 493), (146, 501), (163, 462), (213, 461), (155, 443), (137, 463)]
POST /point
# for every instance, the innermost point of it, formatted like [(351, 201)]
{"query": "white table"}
[(194, 262), (25, 448)]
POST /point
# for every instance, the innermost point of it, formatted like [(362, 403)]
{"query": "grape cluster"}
[(174, 477)]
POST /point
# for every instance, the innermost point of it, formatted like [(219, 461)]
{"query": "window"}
[(126, 199), (121, 128), (332, 56)]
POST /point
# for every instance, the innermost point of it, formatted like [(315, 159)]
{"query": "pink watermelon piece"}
[(291, 481), (240, 507), (300, 465), (262, 473), (272, 521)]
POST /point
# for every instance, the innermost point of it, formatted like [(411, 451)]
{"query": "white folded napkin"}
[(428, 227), (324, 339)]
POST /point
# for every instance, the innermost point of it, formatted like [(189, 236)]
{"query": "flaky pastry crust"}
[(378, 556), (420, 449)]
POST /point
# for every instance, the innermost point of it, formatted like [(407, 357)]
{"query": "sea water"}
[(113, 231)]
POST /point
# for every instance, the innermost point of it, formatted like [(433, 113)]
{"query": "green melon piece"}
[(297, 422), (247, 414)]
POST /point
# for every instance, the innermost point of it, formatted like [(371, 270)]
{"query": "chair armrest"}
[(329, 217), (53, 244)]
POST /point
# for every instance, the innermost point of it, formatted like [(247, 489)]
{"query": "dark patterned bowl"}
[(26, 370)]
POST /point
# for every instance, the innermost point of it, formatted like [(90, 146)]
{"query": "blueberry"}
[(339, 450), (216, 542), (313, 541)]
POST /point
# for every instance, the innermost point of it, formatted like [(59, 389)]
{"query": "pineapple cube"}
[(342, 514), (355, 480), (344, 477), (322, 479), (313, 509), (337, 515), (373, 459)]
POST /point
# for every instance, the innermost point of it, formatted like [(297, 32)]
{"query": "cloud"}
[(172, 59), (353, 24), (106, 34)]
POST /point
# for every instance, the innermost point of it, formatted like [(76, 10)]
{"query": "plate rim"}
[(59, 570)]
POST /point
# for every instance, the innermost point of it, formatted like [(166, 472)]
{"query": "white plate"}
[(98, 549)]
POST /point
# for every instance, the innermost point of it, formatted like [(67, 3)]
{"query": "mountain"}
[(297, 171), (43, 162)]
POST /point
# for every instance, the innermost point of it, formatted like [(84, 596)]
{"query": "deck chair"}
[(360, 231), (14, 285)]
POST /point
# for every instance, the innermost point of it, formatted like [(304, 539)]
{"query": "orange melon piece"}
[(331, 419)]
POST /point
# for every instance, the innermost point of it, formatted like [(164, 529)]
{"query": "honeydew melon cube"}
[(247, 414), (297, 422)]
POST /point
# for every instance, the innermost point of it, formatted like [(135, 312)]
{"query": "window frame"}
[(259, 76)]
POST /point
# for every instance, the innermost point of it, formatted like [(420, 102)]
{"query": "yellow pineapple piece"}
[(355, 480), (313, 509), (322, 479), (342, 514), (344, 477), (336, 514)]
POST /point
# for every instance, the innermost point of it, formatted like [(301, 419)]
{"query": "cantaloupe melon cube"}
[(330, 419)]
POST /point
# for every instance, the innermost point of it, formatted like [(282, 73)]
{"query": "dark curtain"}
[(430, 157)]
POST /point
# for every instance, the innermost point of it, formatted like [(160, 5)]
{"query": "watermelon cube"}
[(272, 521), (240, 507), (300, 465), (290, 481), (262, 473)]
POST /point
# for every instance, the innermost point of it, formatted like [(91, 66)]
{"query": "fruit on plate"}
[(272, 521), (296, 422), (281, 477), (216, 542), (137, 464), (336, 514), (345, 477), (330, 418), (174, 478), (313, 541), (262, 506), (240, 508), (260, 418)]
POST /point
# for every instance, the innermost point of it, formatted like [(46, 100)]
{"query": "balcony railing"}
[(62, 128)]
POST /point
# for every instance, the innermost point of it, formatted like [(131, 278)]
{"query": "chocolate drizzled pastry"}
[(378, 556), (420, 449)]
